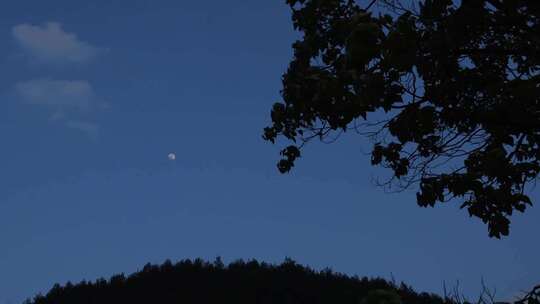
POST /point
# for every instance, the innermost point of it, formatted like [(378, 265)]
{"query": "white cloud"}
[(91, 129), (62, 98), (59, 94), (50, 43)]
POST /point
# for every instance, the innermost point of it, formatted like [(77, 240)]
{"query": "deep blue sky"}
[(94, 96)]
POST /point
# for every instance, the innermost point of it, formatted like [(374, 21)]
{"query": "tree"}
[(239, 282), (381, 296), (448, 93)]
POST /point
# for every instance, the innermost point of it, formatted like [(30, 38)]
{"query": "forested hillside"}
[(239, 282)]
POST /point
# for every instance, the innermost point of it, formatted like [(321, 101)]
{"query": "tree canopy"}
[(448, 92), (239, 282)]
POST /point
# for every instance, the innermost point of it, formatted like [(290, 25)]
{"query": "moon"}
[(171, 156)]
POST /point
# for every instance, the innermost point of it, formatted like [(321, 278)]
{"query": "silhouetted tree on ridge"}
[(239, 282)]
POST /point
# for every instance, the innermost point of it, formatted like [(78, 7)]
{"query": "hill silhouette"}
[(239, 282)]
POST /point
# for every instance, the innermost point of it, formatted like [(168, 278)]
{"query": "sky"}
[(95, 95)]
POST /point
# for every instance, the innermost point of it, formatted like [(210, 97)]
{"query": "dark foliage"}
[(532, 297), (449, 93), (239, 282)]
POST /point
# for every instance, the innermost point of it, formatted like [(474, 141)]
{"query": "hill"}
[(239, 282)]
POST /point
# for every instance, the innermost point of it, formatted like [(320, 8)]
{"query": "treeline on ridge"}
[(239, 282)]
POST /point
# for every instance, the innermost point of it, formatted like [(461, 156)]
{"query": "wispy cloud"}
[(58, 94), (62, 98), (67, 100), (51, 44)]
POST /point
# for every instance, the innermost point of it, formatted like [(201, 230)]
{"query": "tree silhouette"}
[(239, 282), (249, 282), (448, 93), (381, 296)]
